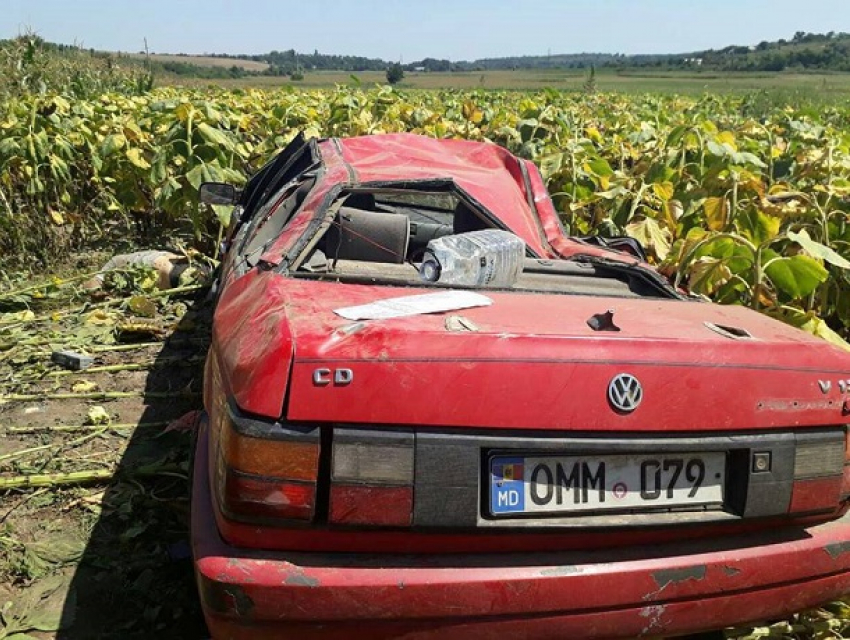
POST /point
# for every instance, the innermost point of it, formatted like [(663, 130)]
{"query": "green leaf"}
[(723, 247), (817, 327), (757, 226), (112, 144), (196, 177), (748, 158), (216, 137), (720, 150), (9, 147), (812, 324), (612, 194), (818, 250), (137, 159), (47, 605), (134, 531), (664, 190), (650, 234), (204, 172), (676, 135), (142, 306), (58, 549), (59, 168), (716, 212), (223, 213), (171, 189), (796, 276), (707, 275), (600, 167), (160, 168)]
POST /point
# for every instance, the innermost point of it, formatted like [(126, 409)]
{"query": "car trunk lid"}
[(533, 361)]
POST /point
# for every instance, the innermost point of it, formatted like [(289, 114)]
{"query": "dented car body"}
[(589, 454)]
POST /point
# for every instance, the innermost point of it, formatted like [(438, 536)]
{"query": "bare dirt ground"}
[(94, 516)]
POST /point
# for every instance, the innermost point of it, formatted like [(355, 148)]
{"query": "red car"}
[(582, 452)]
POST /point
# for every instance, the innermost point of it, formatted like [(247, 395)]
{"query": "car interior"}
[(394, 226), (381, 235)]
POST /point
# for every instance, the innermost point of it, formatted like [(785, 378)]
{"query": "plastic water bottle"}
[(487, 258)]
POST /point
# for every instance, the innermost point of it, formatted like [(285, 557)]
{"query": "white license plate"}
[(568, 484)]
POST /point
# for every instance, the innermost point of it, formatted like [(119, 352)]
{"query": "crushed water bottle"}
[(487, 258)]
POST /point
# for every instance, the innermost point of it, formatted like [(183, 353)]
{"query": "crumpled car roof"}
[(487, 172), (510, 188)]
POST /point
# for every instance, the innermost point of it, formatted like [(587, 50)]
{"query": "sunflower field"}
[(735, 198)]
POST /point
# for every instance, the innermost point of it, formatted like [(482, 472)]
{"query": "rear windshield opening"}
[(393, 226), (380, 235)]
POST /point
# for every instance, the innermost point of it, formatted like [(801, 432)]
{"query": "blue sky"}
[(394, 29)]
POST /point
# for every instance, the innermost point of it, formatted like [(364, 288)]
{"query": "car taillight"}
[(371, 478), (244, 495), (819, 472), (266, 471)]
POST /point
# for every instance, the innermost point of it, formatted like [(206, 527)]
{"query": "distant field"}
[(204, 61), (828, 86)]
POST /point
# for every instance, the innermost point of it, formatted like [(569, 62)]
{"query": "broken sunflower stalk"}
[(55, 479), (59, 447), (187, 342), (52, 284), (97, 395), (60, 428), (171, 361), (92, 476)]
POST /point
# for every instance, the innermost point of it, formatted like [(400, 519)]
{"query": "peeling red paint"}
[(666, 577), (300, 580), (837, 550), (653, 615)]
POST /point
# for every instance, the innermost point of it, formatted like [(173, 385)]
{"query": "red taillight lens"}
[(372, 478), (818, 473), (816, 494), (371, 506), (260, 498), (265, 471)]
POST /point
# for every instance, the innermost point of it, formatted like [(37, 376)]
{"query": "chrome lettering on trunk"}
[(339, 377)]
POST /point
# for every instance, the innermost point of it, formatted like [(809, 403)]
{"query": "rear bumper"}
[(677, 588)]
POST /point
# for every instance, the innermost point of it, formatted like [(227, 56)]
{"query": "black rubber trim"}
[(353, 178), (452, 490), (250, 426), (529, 198)]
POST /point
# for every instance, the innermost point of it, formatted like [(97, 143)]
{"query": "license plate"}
[(568, 484)]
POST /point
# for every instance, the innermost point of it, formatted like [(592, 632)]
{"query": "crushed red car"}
[(581, 452)]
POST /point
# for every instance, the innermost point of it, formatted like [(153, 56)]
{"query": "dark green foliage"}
[(395, 73), (30, 65), (590, 82)]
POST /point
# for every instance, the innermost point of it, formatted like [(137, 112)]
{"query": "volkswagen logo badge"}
[(625, 393)]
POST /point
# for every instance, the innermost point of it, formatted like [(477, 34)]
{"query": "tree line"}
[(829, 51), (803, 51)]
